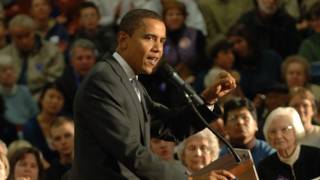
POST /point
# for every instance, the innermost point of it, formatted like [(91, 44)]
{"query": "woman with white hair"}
[(199, 150), (283, 130)]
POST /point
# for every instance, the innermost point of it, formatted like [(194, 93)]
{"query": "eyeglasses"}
[(234, 118), (203, 148), (283, 131)]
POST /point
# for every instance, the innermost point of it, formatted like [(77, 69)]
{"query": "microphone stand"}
[(220, 137)]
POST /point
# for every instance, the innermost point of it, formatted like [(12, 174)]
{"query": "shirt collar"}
[(126, 67)]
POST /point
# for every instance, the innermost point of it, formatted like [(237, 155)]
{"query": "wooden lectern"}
[(244, 170)]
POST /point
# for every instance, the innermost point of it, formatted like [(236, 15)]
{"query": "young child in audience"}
[(62, 135)]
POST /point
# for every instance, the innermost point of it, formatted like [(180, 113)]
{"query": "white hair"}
[(293, 117), (205, 134)]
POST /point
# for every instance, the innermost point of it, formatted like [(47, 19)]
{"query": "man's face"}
[(240, 126), (240, 47), (82, 60), (295, 75), (40, 9), (23, 38), (143, 49), (268, 7), (62, 138), (89, 18)]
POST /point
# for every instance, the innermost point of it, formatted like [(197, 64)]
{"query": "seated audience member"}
[(25, 164), (83, 57), (184, 48), (20, 105), (103, 37), (258, 67), (272, 27), (296, 73), (199, 150), (8, 132), (240, 119), (4, 167), (283, 129), (62, 135), (163, 148), (309, 48), (304, 102), (48, 28), (223, 59), (37, 129), (276, 95), (38, 62)]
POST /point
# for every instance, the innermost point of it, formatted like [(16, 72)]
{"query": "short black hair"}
[(237, 103), (86, 4), (133, 19), (222, 45)]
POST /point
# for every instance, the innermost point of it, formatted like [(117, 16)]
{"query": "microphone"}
[(169, 73)]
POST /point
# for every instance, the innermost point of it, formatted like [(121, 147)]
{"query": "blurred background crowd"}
[(271, 47)]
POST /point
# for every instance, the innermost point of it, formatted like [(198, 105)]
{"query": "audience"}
[(258, 67), (25, 163), (296, 73), (62, 135), (240, 119), (47, 27), (198, 151), (252, 49), (283, 130), (184, 48), (37, 129), (103, 37), (272, 27), (82, 59), (20, 105), (38, 61)]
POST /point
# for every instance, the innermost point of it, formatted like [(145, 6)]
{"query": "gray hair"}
[(6, 60), (22, 20), (82, 43), (293, 116), (205, 134)]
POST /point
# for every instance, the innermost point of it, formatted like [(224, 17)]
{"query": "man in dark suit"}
[(113, 111)]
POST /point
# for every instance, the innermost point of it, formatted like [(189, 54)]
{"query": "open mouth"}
[(153, 60)]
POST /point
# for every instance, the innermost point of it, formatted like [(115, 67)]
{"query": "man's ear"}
[(123, 40)]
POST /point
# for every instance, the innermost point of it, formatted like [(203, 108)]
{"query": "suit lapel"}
[(131, 92)]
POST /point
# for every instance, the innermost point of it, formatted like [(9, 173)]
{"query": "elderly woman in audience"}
[(283, 130), (37, 130), (199, 150), (25, 164), (4, 166), (296, 73), (304, 102)]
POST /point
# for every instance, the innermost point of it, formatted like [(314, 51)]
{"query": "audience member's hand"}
[(221, 86)]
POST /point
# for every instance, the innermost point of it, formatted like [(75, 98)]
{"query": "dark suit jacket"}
[(113, 128)]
